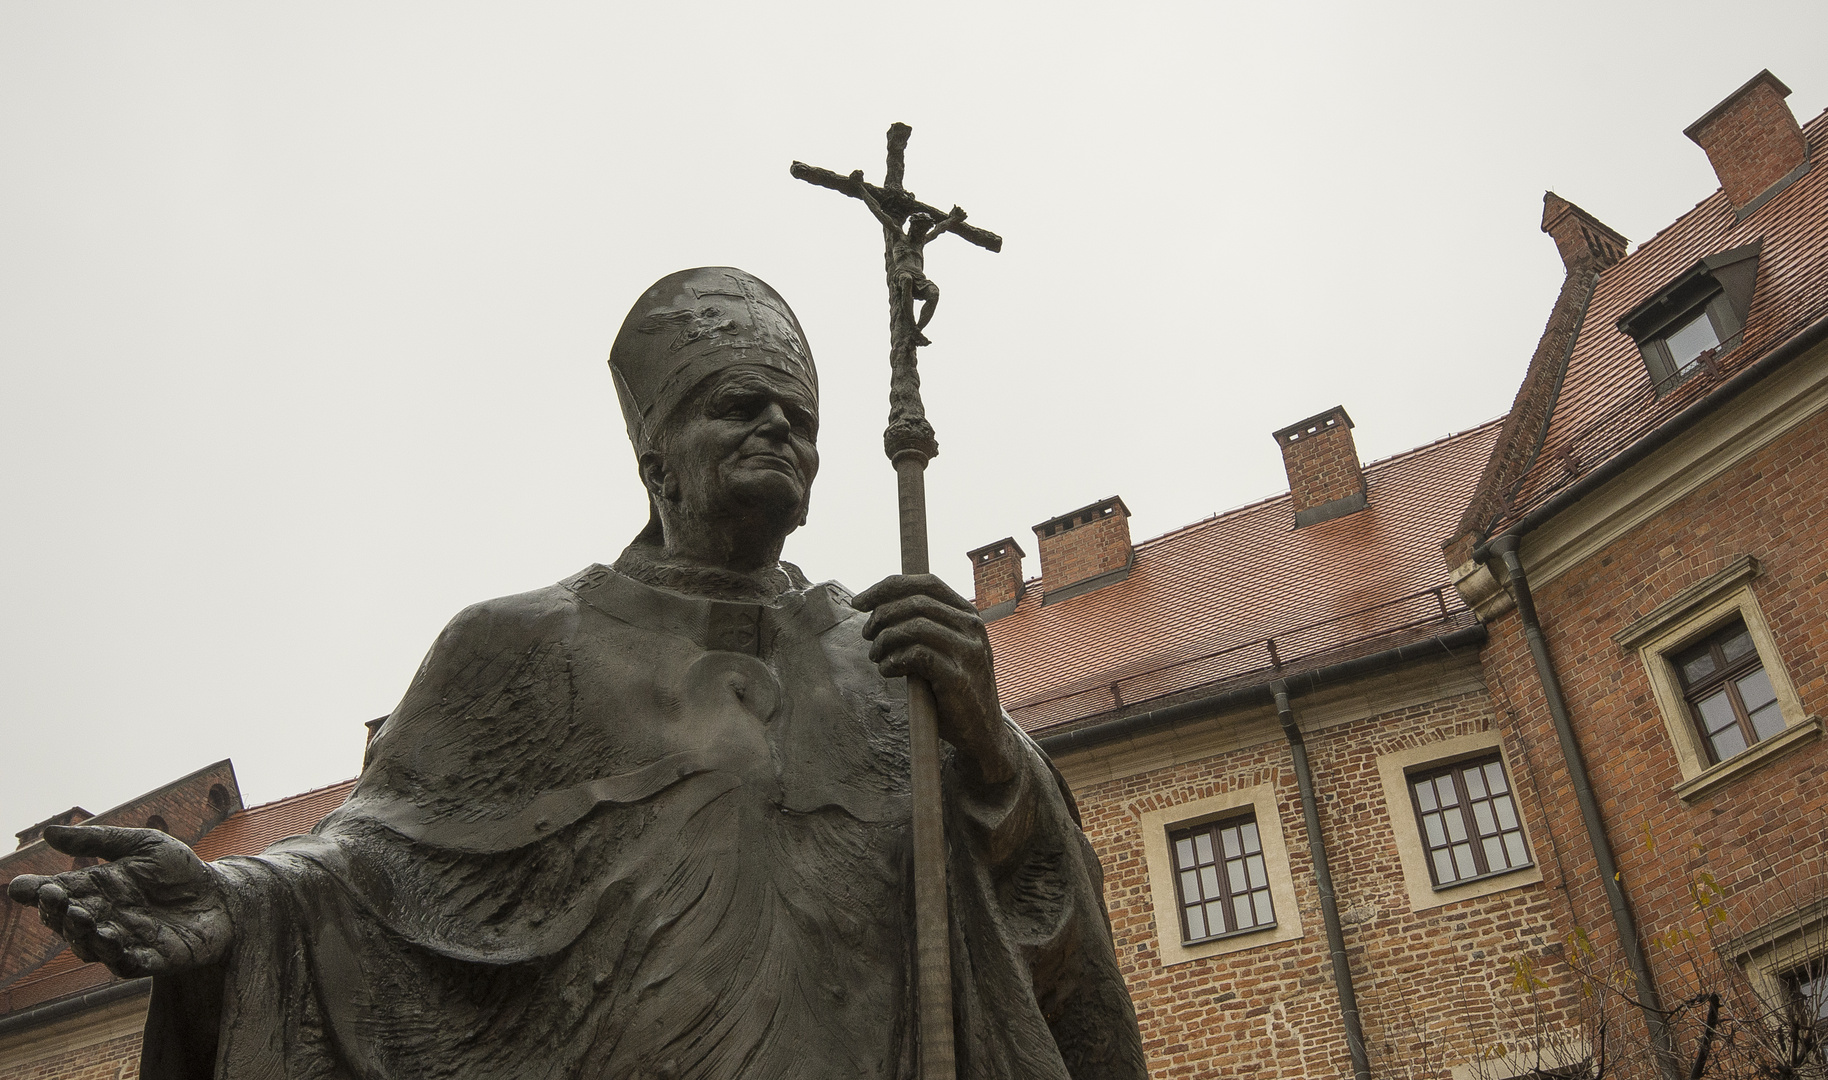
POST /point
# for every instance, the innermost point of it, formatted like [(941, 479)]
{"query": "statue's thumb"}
[(99, 841)]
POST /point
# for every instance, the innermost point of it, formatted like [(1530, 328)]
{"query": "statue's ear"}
[(653, 473)]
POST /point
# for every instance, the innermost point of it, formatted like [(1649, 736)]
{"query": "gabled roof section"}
[(1605, 400), (1228, 598)]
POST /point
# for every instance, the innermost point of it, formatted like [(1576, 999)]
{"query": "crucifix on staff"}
[(908, 225)]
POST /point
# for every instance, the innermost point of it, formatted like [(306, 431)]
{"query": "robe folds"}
[(615, 831)]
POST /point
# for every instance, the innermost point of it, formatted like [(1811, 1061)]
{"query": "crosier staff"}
[(908, 225)]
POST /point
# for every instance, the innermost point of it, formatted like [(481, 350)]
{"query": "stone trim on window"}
[(1792, 940), (1685, 618), (1157, 824), (1412, 853)]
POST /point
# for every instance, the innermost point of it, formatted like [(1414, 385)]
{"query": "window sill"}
[(1463, 882), (1715, 777), (1233, 936)]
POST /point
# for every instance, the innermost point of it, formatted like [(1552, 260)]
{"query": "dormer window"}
[(1687, 342), (1695, 317)]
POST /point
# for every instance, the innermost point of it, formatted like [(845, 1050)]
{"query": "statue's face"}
[(745, 443)]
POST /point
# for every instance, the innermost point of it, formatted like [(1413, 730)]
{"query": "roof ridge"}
[(1380, 463), (306, 794)]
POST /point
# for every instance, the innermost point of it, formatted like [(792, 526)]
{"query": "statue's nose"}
[(773, 420)]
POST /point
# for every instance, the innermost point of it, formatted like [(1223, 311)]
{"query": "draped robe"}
[(618, 831)]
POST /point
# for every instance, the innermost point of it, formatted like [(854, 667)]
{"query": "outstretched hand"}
[(919, 626), (153, 909)]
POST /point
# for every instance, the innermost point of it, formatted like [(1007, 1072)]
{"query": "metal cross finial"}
[(908, 226)]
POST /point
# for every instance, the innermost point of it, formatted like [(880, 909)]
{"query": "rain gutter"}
[(52, 1011), (1170, 716)]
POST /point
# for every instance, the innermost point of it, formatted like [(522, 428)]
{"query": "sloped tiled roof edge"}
[(1229, 596), (1607, 415)]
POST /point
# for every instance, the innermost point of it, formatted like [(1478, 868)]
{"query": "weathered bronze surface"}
[(652, 821)]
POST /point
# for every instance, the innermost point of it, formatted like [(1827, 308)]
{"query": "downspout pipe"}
[(1323, 877), (1505, 548)]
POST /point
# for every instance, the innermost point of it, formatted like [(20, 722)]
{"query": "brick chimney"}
[(1324, 478), (996, 570), (1753, 142), (1583, 240), (1084, 550)]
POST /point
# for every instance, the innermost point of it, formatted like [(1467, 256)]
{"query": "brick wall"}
[(1762, 836), (1433, 986), (100, 1044)]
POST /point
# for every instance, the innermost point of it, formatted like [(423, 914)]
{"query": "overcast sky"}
[(304, 307)]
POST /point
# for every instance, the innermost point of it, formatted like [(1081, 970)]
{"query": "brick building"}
[(1646, 548), (1367, 810), (1261, 707)]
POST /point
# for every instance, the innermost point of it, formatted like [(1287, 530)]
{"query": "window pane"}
[(1248, 833), (1768, 721), (1443, 867), (1196, 924), (1258, 878), (1494, 854), (1240, 910), (1230, 836), (1444, 788), (1456, 824), (1209, 881), (1716, 713), (1698, 667), (1728, 742), (1482, 816), (1690, 340), (1737, 645), (1190, 885), (1424, 795), (1463, 860), (1234, 872), (1183, 853), (1494, 775), (1202, 846), (1755, 690), (1507, 813), (1513, 846), (1437, 836), (1265, 914), (1475, 783), (1215, 918)]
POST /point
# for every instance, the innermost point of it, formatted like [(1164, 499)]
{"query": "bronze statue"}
[(652, 821)]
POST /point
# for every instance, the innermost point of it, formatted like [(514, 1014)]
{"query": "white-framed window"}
[(1719, 680), (1197, 889), (1456, 819)]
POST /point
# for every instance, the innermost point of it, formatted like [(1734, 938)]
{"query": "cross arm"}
[(896, 203)]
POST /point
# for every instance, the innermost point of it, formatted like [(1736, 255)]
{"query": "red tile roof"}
[(1202, 603), (253, 830), (1606, 401)]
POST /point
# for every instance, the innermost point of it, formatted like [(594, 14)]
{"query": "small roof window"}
[(1697, 316)]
